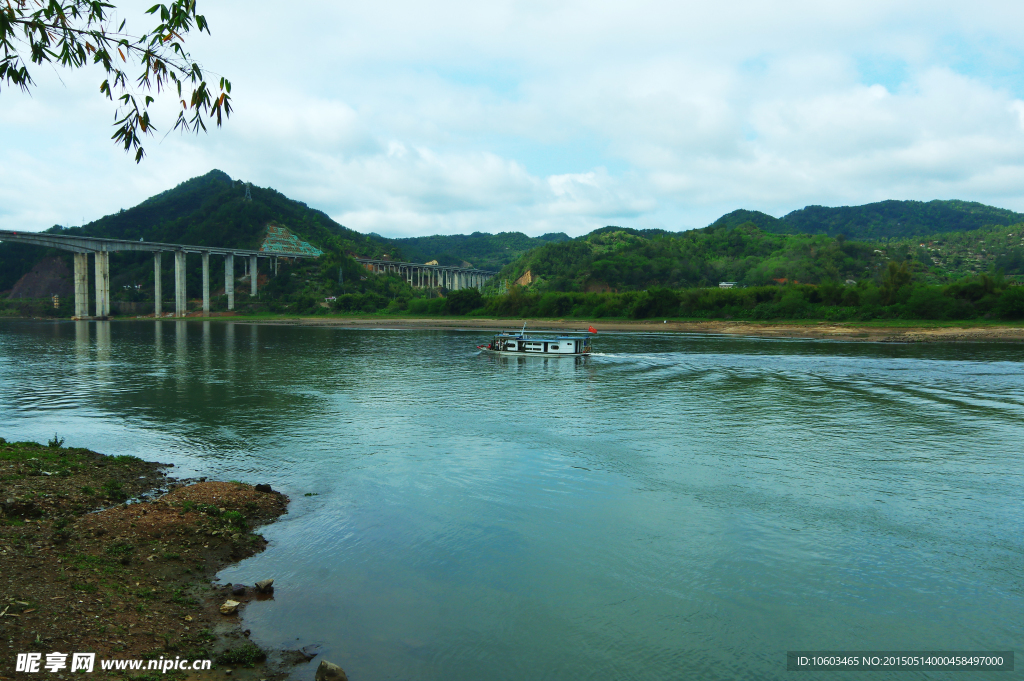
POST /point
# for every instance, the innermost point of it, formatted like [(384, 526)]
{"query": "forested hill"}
[(484, 251), (885, 219), (628, 260), (623, 259), (210, 210)]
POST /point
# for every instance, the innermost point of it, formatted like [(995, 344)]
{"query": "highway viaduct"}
[(430, 276), (417, 275), (101, 249)]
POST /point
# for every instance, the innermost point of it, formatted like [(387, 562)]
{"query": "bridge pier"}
[(158, 285), (229, 279), (102, 262), (252, 274), (180, 307), (81, 285), (206, 283)]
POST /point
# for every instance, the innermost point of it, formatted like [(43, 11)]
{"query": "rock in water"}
[(229, 607), (264, 488), (238, 590), (328, 671), (265, 585)]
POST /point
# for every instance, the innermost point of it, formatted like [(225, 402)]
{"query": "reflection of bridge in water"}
[(101, 249), (430, 276)]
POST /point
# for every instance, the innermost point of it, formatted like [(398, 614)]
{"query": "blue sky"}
[(405, 118)]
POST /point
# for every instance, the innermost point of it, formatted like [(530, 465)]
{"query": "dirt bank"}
[(846, 331), (83, 571)]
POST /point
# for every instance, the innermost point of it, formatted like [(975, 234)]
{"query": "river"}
[(675, 506)]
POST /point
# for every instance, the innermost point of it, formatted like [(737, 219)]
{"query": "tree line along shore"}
[(895, 297)]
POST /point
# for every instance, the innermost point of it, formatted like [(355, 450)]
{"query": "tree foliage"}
[(888, 219), (881, 220), (483, 251), (76, 33), (625, 259)]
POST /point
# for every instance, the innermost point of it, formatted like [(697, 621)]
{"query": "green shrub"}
[(247, 653), (112, 489), (235, 518), (928, 303), (659, 302), (1011, 303), (464, 301)]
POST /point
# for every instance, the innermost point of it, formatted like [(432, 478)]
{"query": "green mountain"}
[(629, 260), (210, 210), (888, 219), (763, 221), (620, 259), (484, 251)]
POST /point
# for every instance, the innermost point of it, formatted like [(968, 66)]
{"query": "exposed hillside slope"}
[(51, 276)]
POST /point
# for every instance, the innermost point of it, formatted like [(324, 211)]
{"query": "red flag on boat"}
[(592, 330)]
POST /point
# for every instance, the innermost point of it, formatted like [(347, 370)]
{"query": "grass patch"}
[(181, 598), (146, 594), (248, 653), (113, 490), (234, 519)]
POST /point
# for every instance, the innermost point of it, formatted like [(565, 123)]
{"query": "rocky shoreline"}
[(109, 555)]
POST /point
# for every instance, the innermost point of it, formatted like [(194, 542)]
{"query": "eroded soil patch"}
[(130, 581)]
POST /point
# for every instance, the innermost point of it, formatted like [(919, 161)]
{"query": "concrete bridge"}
[(430, 276), (101, 249)]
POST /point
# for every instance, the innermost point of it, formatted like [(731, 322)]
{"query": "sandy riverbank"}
[(846, 331)]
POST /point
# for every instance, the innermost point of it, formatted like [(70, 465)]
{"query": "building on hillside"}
[(727, 284)]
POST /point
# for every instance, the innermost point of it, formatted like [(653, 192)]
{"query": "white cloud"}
[(403, 117)]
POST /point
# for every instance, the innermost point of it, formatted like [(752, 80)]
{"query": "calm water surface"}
[(673, 507)]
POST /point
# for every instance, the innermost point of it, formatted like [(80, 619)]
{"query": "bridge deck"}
[(91, 244)]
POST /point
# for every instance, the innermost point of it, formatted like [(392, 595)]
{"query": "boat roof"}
[(526, 336)]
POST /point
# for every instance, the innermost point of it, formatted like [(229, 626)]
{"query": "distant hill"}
[(613, 258), (763, 221), (484, 251), (885, 219)]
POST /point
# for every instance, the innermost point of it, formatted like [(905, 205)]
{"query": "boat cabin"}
[(523, 343)]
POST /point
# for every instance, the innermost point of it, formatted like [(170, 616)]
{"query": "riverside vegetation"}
[(806, 265)]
